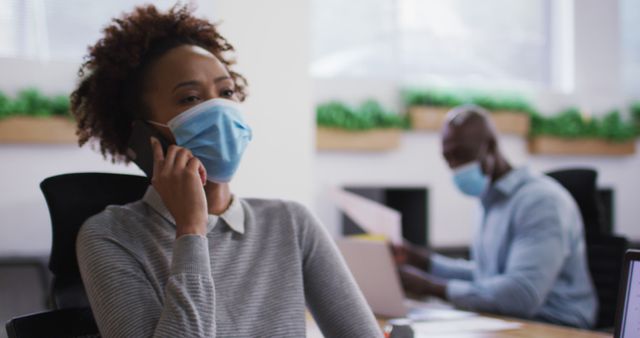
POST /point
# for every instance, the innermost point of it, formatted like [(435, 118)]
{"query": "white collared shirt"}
[(233, 216)]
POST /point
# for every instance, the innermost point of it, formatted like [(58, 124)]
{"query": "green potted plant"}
[(368, 127), (573, 133), (32, 117), (635, 115), (510, 113), (428, 108)]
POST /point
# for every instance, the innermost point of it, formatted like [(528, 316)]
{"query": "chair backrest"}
[(72, 198), (65, 323), (581, 184), (605, 252)]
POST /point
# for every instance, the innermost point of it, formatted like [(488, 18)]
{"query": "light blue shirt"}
[(528, 255)]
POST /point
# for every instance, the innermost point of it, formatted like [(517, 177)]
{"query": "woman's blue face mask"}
[(470, 179), (215, 132)]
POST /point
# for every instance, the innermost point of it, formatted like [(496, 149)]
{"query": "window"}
[(469, 42), (57, 29), (630, 45)]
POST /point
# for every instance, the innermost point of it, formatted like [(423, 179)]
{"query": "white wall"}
[(271, 38), (277, 164)]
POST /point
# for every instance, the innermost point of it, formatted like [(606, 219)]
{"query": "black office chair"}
[(604, 250), (72, 198), (581, 184), (62, 323)]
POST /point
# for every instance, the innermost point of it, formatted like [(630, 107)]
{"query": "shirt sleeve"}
[(331, 293), (126, 304), (451, 268), (534, 261)]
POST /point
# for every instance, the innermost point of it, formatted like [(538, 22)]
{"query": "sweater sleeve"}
[(332, 295), (126, 304)]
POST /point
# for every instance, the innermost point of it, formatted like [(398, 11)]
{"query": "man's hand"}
[(179, 178), (420, 283), (411, 254)]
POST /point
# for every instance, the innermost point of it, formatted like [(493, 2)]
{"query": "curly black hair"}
[(108, 97)]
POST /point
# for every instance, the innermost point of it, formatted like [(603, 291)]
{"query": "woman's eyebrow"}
[(221, 78), (195, 83), (185, 84)]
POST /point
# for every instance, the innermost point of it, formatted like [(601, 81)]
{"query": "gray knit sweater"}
[(250, 280)]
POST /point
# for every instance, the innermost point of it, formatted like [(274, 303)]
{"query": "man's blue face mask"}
[(215, 132), (470, 179)]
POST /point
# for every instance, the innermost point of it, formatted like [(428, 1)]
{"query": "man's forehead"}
[(451, 144), (463, 137), (473, 131)]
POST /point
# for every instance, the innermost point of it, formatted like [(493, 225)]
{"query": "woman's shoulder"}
[(290, 218), (115, 222), (275, 207)]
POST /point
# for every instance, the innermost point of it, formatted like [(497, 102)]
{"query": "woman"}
[(190, 259)]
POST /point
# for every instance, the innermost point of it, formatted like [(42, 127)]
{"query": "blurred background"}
[(345, 94)]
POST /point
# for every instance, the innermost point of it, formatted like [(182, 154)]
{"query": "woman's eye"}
[(228, 93), (189, 99)]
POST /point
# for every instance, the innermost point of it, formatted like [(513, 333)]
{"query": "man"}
[(528, 254)]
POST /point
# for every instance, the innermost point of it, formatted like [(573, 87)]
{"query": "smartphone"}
[(139, 146)]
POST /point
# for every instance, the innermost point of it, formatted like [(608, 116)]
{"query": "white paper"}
[(431, 315), (450, 328), (372, 217)]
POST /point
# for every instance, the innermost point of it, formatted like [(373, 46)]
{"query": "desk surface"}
[(527, 329)]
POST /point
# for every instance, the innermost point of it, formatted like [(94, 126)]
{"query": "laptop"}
[(371, 264), (628, 312)]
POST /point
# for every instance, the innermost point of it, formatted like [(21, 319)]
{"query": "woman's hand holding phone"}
[(179, 177)]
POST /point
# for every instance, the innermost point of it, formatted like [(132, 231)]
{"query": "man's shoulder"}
[(542, 195), (540, 187)]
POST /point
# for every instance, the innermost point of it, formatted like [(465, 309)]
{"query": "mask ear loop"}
[(158, 124)]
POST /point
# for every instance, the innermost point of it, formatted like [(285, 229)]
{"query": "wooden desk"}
[(528, 329)]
